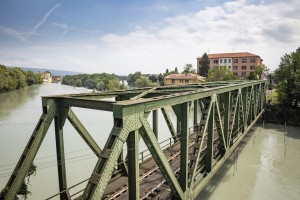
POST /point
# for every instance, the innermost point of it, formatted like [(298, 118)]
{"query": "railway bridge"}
[(176, 168)]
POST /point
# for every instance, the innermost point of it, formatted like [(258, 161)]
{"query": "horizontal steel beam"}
[(87, 103)]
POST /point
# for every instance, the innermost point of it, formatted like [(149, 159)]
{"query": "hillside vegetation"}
[(15, 78), (97, 81)]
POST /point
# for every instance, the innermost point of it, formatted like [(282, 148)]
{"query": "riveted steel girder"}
[(223, 113)]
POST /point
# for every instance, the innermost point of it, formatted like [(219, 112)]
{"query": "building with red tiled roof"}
[(181, 79), (240, 63)]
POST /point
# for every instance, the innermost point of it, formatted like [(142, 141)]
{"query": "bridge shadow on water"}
[(221, 175)]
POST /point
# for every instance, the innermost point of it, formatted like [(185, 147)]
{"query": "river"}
[(267, 166)]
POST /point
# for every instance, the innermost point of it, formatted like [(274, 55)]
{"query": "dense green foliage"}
[(188, 69), (143, 81), (15, 78), (132, 78), (139, 80), (221, 73), (204, 63), (259, 71), (286, 108), (252, 76), (97, 81), (288, 77)]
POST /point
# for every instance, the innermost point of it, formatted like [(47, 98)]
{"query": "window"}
[(235, 67), (244, 67), (243, 73), (235, 60), (216, 61), (225, 60), (235, 73), (220, 60), (244, 60), (252, 60), (173, 81), (229, 60), (208, 61), (252, 67), (186, 81)]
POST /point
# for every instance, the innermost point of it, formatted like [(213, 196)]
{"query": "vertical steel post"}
[(226, 117), (195, 112), (210, 139), (60, 155), (155, 122), (178, 127), (133, 165), (184, 147)]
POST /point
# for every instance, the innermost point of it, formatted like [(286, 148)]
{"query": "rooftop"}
[(232, 55)]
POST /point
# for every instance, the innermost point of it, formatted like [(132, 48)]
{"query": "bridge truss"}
[(223, 113)]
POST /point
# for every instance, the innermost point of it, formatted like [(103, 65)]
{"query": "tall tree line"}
[(103, 81), (12, 78)]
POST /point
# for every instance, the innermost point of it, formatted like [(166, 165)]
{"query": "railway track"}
[(152, 182)]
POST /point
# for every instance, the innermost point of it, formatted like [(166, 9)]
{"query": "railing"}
[(142, 157)]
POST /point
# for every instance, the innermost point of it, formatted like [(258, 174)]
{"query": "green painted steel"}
[(59, 120), (133, 165), (184, 150), (223, 113), (83, 133)]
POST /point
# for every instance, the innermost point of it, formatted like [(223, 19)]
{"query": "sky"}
[(125, 36)]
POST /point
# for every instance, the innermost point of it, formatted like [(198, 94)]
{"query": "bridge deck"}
[(150, 175)]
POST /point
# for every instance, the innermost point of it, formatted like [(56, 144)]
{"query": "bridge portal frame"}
[(225, 109)]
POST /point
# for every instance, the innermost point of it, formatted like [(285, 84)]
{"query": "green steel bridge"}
[(177, 168)]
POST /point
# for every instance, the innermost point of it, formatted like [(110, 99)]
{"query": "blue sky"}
[(122, 37)]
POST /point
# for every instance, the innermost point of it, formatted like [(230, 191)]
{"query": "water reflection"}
[(12, 100), (267, 167)]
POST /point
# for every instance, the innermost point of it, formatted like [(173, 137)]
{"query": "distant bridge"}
[(179, 167)]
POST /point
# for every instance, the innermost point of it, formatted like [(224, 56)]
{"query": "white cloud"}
[(234, 25), (266, 29)]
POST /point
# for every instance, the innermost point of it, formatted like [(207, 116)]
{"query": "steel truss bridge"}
[(223, 113)]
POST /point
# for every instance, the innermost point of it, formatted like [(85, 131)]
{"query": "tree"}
[(221, 73), (78, 83), (113, 84), (100, 86), (176, 70), (204, 65), (252, 76), (160, 79), (153, 78), (288, 76), (133, 77), (143, 81), (167, 71), (188, 69), (89, 84)]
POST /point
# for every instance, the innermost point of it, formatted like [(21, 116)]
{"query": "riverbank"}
[(12, 78)]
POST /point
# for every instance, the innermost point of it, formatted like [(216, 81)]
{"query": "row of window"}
[(181, 81), (244, 67), (252, 67), (242, 74), (235, 60)]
